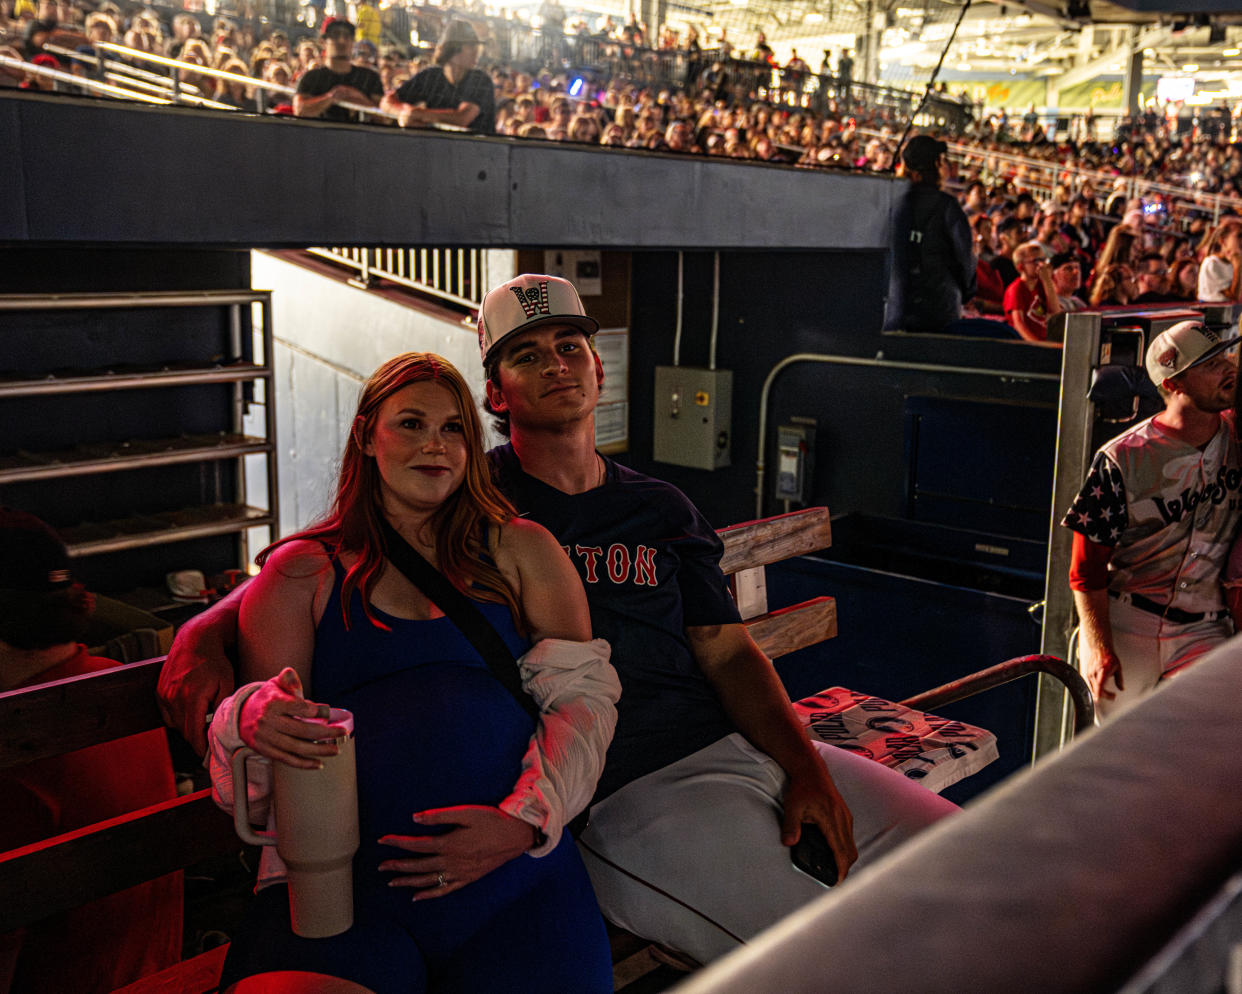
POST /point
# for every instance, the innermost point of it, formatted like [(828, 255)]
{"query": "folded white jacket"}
[(576, 690)]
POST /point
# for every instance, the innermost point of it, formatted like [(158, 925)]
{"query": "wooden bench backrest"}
[(71, 869), (752, 545)]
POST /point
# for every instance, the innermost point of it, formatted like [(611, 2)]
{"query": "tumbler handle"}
[(241, 802)]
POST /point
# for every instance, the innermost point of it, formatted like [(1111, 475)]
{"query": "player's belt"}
[(1175, 614)]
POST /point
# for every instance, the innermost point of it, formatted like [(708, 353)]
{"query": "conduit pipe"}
[(681, 298), (879, 363)]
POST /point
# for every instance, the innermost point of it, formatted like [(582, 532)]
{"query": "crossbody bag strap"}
[(461, 611)]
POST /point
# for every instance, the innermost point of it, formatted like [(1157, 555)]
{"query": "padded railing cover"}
[(1066, 878)]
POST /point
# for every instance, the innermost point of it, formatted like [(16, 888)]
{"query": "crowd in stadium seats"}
[(1096, 212)]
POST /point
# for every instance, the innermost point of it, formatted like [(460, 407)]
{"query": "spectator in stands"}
[(933, 259), (366, 55), (235, 93), (1184, 279), (339, 79), (1048, 230), (991, 287), (1220, 273), (1010, 233), (1067, 280), (113, 941), (1032, 298), (452, 91), (677, 138), (184, 27), (1114, 287), (1123, 248), (1152, 280), (369, 27), (1079, 227)]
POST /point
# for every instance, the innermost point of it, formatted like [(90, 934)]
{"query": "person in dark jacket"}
[(933, 262)]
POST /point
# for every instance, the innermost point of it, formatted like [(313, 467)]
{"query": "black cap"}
[(922, 152), (32, 556), (336, 22), (1064, 259)]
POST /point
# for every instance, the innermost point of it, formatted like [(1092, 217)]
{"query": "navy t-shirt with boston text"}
[(650, 564)]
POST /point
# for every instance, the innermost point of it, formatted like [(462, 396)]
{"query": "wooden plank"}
[(779, 633), (68, 870), (197, 975), (758, 543), (58, 717)]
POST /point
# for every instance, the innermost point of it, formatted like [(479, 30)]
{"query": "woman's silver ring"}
[(441, 881)]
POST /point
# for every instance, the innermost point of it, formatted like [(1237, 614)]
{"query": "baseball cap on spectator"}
[(1183, 347), (45, 60), (33, 559), (1008, 224), (332, 23), (366, 48), (922, 152), (459, 32), (527, 302), (1064, 259)]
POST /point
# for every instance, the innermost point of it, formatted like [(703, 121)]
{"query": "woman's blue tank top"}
[(433, 727)]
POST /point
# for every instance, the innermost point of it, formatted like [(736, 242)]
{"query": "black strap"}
[(462, 611)]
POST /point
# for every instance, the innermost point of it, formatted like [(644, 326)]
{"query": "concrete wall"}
[(109, 172)]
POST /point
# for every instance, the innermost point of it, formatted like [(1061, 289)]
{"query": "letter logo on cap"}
[(533, 300)]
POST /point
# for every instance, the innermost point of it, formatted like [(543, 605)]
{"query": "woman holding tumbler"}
[(464, 880)]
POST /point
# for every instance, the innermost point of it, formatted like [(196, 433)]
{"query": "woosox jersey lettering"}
[(650, 565), (1168, 511)]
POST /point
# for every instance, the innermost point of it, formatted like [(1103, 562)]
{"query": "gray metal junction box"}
[(693, 416)]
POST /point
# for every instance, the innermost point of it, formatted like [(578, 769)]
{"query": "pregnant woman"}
[(464, 881)]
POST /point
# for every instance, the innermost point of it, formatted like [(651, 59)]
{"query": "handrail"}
[(1216, 202), (277, 88), (69, 79), (457, 276), (1006, 672)]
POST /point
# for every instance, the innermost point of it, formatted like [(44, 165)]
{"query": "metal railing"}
[(456, 276), (129, 82), (61, 79), (1042, 175)]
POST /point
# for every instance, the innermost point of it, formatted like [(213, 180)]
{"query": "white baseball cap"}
[(526, 302), (1186, 344)]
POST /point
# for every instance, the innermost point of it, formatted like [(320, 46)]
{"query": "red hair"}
[(460, 525)]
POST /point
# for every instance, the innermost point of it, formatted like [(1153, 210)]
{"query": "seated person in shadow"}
[(117, 939), (462, 796)]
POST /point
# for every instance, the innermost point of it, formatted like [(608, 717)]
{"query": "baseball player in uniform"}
[(1153, 525)]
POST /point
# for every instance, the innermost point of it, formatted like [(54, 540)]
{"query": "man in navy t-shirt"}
[(710, 775)]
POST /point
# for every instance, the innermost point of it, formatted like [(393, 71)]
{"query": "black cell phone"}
[(813, 856)]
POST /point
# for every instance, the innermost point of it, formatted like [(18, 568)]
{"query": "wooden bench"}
[(63, 872), (69, 870)]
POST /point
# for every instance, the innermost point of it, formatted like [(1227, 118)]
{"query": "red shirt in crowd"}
[(1020, 297)]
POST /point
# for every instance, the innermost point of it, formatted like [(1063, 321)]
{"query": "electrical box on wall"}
[(795, 462), (693, 416)]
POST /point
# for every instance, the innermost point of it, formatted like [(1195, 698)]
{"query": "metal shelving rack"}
[(175, 524)]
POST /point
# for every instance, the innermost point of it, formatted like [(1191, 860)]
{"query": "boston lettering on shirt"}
[(649, 562)]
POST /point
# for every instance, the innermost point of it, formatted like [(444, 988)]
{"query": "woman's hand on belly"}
[(479, 840)]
